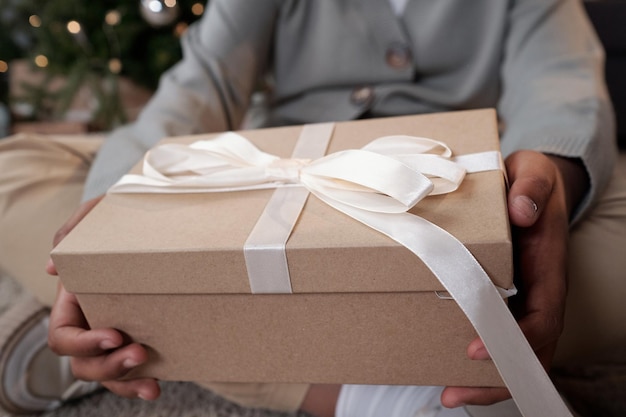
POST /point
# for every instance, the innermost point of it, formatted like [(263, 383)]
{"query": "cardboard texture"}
[(169, 271)]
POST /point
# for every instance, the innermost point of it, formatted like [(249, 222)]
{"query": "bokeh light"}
[(73, 27), (35, 21), (180, 29), (41, 61), (113, 18), (197, 9), (115, 66)]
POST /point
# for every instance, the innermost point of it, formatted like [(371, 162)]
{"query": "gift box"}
[(169, 271)]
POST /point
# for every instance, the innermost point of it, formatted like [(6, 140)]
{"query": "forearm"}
[(119, 152), (208, 91)]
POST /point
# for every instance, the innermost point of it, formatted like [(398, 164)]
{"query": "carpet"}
[(178, 399)]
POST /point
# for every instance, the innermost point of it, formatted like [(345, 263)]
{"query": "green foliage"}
[(85, 58)]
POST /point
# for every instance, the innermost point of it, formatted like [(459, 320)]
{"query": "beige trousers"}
[(41, 182)]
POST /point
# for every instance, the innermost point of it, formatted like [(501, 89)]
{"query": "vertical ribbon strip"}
[(265, 248), (407, 169)]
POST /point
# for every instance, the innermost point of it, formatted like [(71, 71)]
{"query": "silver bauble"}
[(157, 12)]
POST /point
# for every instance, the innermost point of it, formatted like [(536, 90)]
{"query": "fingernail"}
[(107, 344), (527, 206), (130, 363), (481, 354), (452, 402), (144, 395)]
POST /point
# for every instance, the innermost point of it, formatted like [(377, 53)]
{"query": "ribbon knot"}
[(286, 170)]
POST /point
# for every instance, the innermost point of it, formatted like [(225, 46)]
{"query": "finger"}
[(542, 330), (145, 388), (109, 366), (50, 268), (540, 308), (453, 397), (69, 333), (476, 350), (532, 178)]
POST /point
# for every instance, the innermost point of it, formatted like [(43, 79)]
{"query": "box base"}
[(360, 338)]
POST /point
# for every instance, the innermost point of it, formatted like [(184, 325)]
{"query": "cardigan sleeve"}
[(554, 98), (207, 91)]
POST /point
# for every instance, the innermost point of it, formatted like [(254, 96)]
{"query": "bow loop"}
[(395, 145), (391, 174), (233, 149), (367, 180)]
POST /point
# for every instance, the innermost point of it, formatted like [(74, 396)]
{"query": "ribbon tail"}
[(467, 282)]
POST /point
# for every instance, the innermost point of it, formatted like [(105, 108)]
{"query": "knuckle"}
[(78, 370), (554, 326), (91, 369), (121, 389), (540, 184), (116, 373), (53, 343)]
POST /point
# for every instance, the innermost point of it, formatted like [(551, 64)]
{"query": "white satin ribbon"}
[(265, 249), (375, 185)]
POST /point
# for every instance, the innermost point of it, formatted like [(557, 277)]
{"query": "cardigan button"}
[(398, 55), (362, 96)]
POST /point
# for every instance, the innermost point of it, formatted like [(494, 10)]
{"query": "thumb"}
[(532, 178)]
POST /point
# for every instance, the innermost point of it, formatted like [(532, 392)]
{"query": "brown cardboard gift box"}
[(168, 270)]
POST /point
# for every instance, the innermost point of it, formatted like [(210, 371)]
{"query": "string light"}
[(155, 6), (180, 29), (73, 27), (35, 21), (113, 18), (197, 9), (106, 63), (41, 61), (115, 66)]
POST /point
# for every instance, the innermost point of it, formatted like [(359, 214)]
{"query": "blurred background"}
[(81, 66), (75, 66)]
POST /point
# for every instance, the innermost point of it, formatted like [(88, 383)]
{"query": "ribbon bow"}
[(389, 175)]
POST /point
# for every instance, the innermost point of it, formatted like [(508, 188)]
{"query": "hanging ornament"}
[(159, 13)]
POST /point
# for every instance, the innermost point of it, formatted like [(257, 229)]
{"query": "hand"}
[(99, 354), (544, 189)]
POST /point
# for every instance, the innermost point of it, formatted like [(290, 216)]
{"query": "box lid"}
[(193, 243)]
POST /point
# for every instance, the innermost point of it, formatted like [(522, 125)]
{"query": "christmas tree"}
[(91, 44)]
